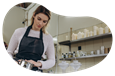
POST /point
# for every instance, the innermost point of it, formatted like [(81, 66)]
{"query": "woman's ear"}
[(33, 15)]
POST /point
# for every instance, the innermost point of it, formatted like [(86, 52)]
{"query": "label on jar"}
[(66, 56)]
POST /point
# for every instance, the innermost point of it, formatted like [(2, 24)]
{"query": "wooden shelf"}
[(90, 56), (68, 42)]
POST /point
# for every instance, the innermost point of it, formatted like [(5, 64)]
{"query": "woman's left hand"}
[(36, 64)]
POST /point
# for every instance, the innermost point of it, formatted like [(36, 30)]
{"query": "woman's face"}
[(40, 20)]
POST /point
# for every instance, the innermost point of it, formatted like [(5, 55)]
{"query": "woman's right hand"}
[(18, 61)]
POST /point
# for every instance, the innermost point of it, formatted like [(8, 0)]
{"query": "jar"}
[(109, 49), (69, 54), (62, 55), (98, 52), (74, 55), (66, 55), (106, 50)]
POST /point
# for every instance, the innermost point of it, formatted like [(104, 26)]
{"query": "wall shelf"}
[(90, 56), (68, 42)]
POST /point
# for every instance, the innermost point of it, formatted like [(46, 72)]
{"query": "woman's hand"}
[(18, 61), (36, 64)]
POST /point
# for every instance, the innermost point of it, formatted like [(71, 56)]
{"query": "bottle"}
[(74, 55), (78, 54), (66, 55), (109, 49), (62, 55), (69, 54), (79, 51), (51, 71)]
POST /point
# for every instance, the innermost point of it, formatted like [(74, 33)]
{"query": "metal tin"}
[(22, 63), (25, 64), (29, 66)]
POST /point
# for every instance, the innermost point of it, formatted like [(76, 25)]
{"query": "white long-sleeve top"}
[(48, 46)]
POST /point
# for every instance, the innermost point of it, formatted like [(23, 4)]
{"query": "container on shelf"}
[(109, 49), (106, 29), (62, 55), (67, 38), (79, 35), (101, 30), (74, 55), (78, 54), (91, 33), (82, 34), (86, 33), (74, 36), (96, 30), (98, 52), (69, 54), (66, 55), (102, 49), (92, 52)]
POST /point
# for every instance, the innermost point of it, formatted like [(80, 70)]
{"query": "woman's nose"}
[(40, 22)]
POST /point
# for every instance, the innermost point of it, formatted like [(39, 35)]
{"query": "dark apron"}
[(31, 48)]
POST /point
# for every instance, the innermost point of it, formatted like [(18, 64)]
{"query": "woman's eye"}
[(44, 21), (39, 19)]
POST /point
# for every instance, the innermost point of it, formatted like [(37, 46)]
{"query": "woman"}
[(33, 42)]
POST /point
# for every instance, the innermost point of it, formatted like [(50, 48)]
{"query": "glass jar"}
[(62, 55), (69, 54), (66, 55), (74, 55)]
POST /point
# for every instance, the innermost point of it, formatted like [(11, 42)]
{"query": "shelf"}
[(90, 56), (68, 42)]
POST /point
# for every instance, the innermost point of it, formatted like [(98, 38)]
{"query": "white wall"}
[(76, 23), (12, 21)]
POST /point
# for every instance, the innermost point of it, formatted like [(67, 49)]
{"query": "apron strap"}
[(27, 31), (41, 34)]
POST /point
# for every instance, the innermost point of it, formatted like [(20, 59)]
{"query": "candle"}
[(91, 33), (86, 32), (95, 30), (66, 37), (73, 36), (76, 36), (100, 30), (106, 29), (79, 35), (82, 35)]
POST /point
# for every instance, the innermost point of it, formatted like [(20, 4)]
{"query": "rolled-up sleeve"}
[(50, 52)]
